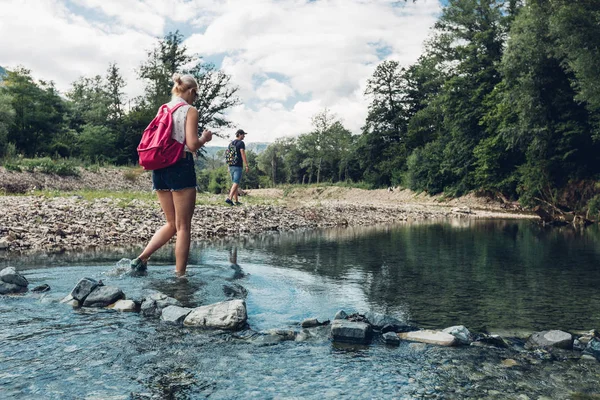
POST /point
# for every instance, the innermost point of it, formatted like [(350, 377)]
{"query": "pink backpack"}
[(158, 149)]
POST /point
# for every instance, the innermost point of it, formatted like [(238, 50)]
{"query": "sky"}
[(290, 58)]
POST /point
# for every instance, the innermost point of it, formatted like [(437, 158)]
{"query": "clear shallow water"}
[(496, 275)]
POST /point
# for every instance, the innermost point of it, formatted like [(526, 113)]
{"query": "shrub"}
[(594, 207), (48, 166), (132, 174), (11, 166), (10, 152)]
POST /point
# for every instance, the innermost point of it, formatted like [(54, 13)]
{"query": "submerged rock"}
[(228, 315), (391, 338), (83, 289), (124, 306), (267, 340), (174, 315), (9, 288), (485, 340), (103, 296), (351, 332), (70, 301), (153, 305), (313, 322), (582, 341), (285, 334), (340, 315), (593, 348), (553, 339), (235, 291), (12, 282), (320, 333), (429, 337), (460, 332), (41, 288)]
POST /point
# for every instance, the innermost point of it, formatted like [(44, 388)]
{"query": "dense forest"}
[(505, 99)]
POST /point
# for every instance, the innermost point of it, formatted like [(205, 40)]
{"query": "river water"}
[(505, 277)]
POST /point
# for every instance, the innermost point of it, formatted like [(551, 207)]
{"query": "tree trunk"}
[(274, 169), (319, 171)]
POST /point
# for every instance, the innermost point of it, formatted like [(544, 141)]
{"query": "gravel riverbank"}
[(32, 222), (55, 224)]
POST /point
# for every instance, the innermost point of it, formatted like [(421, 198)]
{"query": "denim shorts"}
[(236, 174), (178, 176)]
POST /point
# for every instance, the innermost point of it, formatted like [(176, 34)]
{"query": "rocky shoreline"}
[(353, 329), (57, 224)]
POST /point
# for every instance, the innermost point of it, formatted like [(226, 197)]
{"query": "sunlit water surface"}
[(507, 277)]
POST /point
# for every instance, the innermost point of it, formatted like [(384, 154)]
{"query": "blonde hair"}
[(181, 83)]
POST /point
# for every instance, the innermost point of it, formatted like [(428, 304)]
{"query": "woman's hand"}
[(206, 136)]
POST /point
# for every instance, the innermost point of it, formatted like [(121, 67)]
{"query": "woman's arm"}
[(192, 141)]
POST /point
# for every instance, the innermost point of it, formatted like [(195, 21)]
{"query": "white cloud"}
[(47, 38), (326, 50), (290, 58), (272, 89)]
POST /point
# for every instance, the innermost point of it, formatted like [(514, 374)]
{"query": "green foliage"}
[(12, 166), (39, 113), (593, 208), (219, 181), (166, 58), (7, 115), (44, 165), (216, 95), (424, 169)]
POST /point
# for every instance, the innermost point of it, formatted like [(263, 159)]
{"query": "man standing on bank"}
[(235, 155)]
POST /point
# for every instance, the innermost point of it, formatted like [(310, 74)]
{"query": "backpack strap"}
[(176, 106), (165, 108)]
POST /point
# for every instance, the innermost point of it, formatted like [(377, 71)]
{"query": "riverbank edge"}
[(58, 224)]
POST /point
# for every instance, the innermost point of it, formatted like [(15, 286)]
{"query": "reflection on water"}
[(509, 275), (495, 274)]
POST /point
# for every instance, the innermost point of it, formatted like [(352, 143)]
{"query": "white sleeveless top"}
[(179, 117)]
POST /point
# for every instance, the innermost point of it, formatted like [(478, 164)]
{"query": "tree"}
[(215, 95), (168, 57), (114, 92), (549, 124), (7, 115), (39, 113)]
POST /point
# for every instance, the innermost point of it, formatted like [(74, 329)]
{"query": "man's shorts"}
[(178, 176), (236, 174)]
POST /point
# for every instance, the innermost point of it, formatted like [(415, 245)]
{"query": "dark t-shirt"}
[(239, 145)]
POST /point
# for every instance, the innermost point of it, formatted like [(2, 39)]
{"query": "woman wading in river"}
[(175, 185)]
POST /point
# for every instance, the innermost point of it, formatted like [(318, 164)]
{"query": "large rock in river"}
[(460, 332), (430, 337), (555, 339), (83, 289), (350, 332), (385, 323), (12, 282), (103, 296), (229, 315)]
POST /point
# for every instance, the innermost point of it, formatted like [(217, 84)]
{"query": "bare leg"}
[(184, 202), (233, 193), (167, 231)]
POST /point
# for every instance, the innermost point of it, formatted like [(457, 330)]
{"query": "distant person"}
[(235, 156), (175, 185)]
